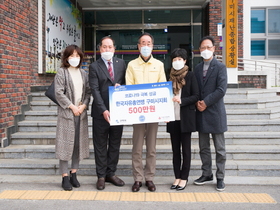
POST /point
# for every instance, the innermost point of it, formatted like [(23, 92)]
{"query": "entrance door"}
[(180, 36), (170, 28), (165, 40)]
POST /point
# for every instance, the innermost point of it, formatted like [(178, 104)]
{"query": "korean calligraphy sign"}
[(231, 33), (63, 27)]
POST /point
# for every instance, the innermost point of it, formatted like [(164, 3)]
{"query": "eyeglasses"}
[(206, 47)]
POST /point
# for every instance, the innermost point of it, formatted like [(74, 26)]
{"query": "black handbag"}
[(50, 93)]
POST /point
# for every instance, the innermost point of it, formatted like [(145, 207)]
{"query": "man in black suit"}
[(106, 71)]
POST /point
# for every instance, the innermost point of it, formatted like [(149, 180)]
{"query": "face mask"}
[(74, 62), (206, 54), (107, 55), (146, 51), (178, 65)]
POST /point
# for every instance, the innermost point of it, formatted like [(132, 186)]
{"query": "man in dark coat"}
[(106, 71), (211, 76)]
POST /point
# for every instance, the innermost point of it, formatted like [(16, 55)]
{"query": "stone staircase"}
[(252, 140)]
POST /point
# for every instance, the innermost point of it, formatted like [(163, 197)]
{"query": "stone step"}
[(234, 99), (247, 93), (233, 126), (230, 103), (235, 138), (237, 125), (233, 103), (40, 96), (163, 167), (50, 126), (252, 140), (253, 114), (232, 114), (164, 152), (269, 125), (241, 93)]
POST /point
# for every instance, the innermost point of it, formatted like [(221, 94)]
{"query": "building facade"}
[(173, 24)]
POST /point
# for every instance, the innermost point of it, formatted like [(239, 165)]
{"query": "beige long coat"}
[(65, 130)]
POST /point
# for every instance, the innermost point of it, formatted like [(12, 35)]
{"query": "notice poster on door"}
[(143, 103), (63, 27)]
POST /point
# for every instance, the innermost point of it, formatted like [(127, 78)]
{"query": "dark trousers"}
[(181, 140), (106, 141)]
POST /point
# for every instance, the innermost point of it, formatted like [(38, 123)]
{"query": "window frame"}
[(264, 36)]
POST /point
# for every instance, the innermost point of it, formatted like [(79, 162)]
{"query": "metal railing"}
[(272, 68)]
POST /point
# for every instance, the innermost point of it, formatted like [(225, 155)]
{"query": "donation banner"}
[(143, 103)]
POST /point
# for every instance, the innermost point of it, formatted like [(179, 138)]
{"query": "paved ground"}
[(240, 193)]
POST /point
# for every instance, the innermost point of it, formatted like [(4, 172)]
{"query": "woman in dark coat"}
[(73, 93), (186, 94)]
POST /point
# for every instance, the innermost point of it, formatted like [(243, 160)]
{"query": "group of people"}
[(198, 106)]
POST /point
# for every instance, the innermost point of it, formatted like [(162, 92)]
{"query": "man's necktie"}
[(110, 70)]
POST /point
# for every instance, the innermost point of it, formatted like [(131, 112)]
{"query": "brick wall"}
[(252, 81), (18, 57), (215, 17)]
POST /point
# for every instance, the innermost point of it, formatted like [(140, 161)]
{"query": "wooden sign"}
[(231, 36)]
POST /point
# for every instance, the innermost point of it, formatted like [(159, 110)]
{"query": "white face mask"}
[(146, 51), (206, 54), (74, 62), (178, 65), (107, 55)]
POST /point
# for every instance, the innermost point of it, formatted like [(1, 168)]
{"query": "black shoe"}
[(115, 181), (100, 184), (66, 185), (181, 187), (173, 187), (73, 180), (136, 186), (203, 180), (220, 185), (151, 186)]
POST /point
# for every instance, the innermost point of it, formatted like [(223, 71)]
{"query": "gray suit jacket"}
[(212, 91)]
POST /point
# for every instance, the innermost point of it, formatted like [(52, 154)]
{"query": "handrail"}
[(257, 65)]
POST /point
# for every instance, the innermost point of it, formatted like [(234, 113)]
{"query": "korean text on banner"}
[(143, 103)]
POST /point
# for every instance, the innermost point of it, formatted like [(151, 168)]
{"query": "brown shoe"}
[(136, 186), (115, 181), (151, 186), (100, 184)]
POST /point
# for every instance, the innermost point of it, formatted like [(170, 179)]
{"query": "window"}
[(258, 21), (257, 48), (265, 33), (274, 21), (274, 47)]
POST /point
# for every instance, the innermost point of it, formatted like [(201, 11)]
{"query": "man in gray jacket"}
[(211, 76)]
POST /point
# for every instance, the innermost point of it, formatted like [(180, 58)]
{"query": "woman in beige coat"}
[(73, 95)]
